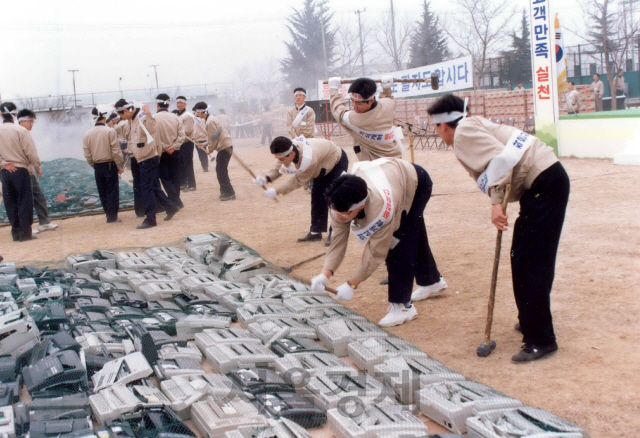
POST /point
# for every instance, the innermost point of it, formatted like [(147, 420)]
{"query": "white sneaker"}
[(398, 314), (49, 226), (34, 231), (424, 292)]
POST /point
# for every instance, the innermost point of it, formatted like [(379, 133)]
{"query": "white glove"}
[(345, 292), (335, 82), (319, 282), (259, 181), (271, 193), (386, 81)]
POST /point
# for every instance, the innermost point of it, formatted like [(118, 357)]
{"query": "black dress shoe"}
[(532, 352), (170, 215), (118, 220), (328, 241), (145, 225), (384, 280), (24, 239), (227, 197), (311, 237), (517, 327)]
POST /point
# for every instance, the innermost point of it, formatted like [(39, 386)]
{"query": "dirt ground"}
[(591, 381)]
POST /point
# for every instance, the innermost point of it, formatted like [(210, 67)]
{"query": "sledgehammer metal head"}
[(485, 350), (221, 248)]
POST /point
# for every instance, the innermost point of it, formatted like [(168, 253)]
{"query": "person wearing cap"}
[(169, 138), (142, 127), (26, 119), (188, 177), (17, 153), (370, 122), (496, 156), (102, 152), (303, 158), (382, 204), (213, 136), (301, 119)]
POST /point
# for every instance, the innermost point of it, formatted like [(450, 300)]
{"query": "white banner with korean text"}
[(455, 75), (545, 85)]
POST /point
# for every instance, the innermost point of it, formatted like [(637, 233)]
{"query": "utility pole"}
[(360, 32), (393, 35), (324, 48), (156, 72), (75, 101), (120, 87)]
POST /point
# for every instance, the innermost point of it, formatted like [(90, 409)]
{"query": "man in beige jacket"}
[(497, 156), (598, 91), (142, 127), (304, 159), (102, 152), (17, 152), (382, 204), (169, 138), (370, 122), (301, 119), (216, 138)]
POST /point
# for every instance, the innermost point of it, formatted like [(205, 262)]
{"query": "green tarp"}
[(70, 188)]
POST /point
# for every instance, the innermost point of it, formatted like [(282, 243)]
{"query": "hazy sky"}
[(193, 42)]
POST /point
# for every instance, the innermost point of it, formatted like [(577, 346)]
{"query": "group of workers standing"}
[(381, 200)]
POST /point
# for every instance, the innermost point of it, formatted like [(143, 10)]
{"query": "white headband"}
[(128, 106), (202, 110), (452, 116), (181, 100), (359, 204), (283, 154), (358, 97), (300, 92), (25, 119), (447, 117), (164, 102)]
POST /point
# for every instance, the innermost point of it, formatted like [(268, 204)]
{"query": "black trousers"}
[(108, 188), (411, 257), (18, 201), (188, 176), (536, 236), (266, 132), (39, 201), (222, 171), (204, 159), (170, 176), (319, 206), (151, 193), (137, 199)]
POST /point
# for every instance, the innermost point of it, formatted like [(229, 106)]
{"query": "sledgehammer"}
[(488, 345), (434, 81)]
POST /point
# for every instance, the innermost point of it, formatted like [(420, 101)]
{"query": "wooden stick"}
[(401, 81), (242, 163), (307, 281), (494, 274), (302, 262)]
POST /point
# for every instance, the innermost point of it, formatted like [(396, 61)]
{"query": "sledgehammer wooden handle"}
[(253, 175), (307, 281)]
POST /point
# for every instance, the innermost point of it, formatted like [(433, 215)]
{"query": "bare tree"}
[(241, 83), (613, 35), (347, 61), (269, 80), (398, 53), (479, 28)]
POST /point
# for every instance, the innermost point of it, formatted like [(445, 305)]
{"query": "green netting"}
[(69, 186)]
